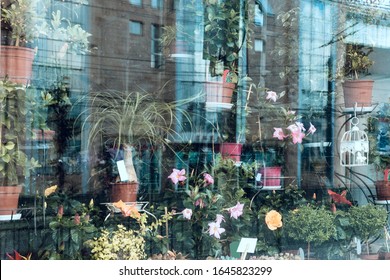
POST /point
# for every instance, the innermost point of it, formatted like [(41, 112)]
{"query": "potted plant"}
[(367, 223), (125, 122), (14, 162), (272, 138), (357, 63), (19, 20), (311, 224), (377, 131), (24, 21), (226, 33)]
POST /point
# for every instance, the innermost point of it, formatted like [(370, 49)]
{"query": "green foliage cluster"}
[(206, 202), (367, 221), (226, 32), (310, 224), (119, 244), (70, 224), (357, 61), (15, 120)]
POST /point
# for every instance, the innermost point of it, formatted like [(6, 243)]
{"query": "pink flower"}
[(76, 219), (312, 129), (220, 218), (208, 179), (300, 126), (297, 136), (293, 127), (199, 202), (290, 113), (236, 211), (216, 230), (177, 176), (271, 95), (187, 213), (278, 133), (60, 211)]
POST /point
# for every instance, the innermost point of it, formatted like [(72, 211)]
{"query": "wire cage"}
[(354, 146)]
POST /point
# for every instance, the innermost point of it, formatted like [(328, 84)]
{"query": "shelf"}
[(382, 202), (360, 110), (13, 217), (269, 188), (139, 204), (317, 144)]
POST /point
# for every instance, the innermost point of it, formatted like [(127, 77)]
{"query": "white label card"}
[(122, 170), (247, 245)]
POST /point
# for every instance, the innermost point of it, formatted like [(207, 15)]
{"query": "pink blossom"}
[(216, 230), (271, 95), (236, 211), (77, 219), (312, 129), (300, 126), (199, 202), (278, 133), (293, 127), (187, 213), (208, 179), (297, 136), (220, 218), (290, 113), (60, 211), (177, 176)]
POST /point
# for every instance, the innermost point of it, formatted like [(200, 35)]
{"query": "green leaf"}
[(74, 234), (10, 145), (6, 158)]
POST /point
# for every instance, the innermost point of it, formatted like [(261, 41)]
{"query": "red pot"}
[(271, 176), (231, 150)]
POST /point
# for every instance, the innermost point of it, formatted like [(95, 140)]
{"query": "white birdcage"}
[(354, 146)]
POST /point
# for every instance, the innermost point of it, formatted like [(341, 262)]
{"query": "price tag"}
[(358, 246), (247, 245), (122, 170)]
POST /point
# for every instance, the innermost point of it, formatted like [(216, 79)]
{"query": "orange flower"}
[(50, 190), (273, 219), (128, 210)]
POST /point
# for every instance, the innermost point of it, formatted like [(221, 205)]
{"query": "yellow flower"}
[(273, 219), (50, 190)]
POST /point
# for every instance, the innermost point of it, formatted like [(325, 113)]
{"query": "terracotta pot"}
[(219, 94), (125, 191), (382, 190), (358, 91), (231, 150), (180, 48), (384, 256), (369, 256), (41, 135), (270, 176), (16, 63), (9, 199)]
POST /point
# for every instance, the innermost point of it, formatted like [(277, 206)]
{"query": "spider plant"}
[(129, 119)]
